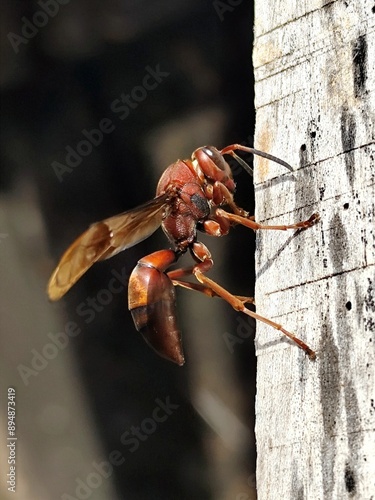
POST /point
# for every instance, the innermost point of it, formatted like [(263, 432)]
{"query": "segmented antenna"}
[(229, 150)]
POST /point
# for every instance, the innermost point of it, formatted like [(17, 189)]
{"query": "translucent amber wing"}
[(104, 239)]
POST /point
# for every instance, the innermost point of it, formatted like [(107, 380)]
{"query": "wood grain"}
[(315, 101)]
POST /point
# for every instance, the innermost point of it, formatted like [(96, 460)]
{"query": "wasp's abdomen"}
[(152, 305)]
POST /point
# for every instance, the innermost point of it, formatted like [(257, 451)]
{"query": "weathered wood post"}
[(315, 100)]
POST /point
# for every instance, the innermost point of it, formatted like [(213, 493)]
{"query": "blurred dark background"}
[(65, 67)]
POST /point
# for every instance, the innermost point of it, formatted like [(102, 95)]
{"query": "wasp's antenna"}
[(229, 150), (243, 164)]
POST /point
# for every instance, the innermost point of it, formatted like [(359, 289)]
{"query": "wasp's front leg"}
[(252, 224)]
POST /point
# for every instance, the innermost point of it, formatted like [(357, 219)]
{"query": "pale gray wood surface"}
[(315, 100)]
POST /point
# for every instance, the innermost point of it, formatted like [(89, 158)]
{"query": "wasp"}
[(192, 195)]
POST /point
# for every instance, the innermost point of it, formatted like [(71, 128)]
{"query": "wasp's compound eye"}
[(215, 156)]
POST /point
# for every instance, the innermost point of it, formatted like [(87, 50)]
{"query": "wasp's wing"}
[(105, 239)]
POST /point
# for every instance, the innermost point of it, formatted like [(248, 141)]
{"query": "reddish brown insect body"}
[(189, 197)]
